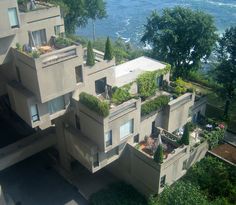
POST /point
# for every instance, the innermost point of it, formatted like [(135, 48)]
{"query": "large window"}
[(163, 181), (79, 74), (56, 105), (13, 18), (34, 113), (39, 37), (57, 30), (108, 138), (126, 129), (100, 85)]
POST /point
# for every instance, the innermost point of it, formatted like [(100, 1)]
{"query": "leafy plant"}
[(154, 105), (19, 47), (120, 95), (108, 50), (63, 41), (34, 54), (93, 103), (158, 155), (214, 137), (185, 138), (90, 55)]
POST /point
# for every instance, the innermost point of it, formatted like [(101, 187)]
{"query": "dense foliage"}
[(118, 194), (154, 105), (214, 137), (78, 12), (181, 37), (181, 193), (94, 104), (147, 84), (90, 61), (158, 155), (185, 138), (120, 95), (108, 50), (226, 70), (215, 178)]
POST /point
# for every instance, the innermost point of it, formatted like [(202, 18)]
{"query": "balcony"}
[(49, 71)]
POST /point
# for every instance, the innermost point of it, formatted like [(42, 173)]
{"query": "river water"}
[(126, 17)]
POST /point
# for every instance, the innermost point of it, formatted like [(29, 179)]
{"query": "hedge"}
[(121, 95), (155, 104), (93, 103)]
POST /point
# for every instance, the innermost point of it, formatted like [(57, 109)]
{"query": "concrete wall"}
[(138, 169), (49, 81), (28, 21), (92, 73), (177, 112), (94, 127), (21, 100)]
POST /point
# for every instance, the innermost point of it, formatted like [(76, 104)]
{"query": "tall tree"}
[(158, 155), (185, 137), (108, 50), (95, 9), (90, 55), (226, 70), (181, 37), (74, 12)]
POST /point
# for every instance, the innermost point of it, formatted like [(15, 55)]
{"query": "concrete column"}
[(64, 156), (2, 198)]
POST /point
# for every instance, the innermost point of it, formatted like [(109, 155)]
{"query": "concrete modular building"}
[(43, 88)]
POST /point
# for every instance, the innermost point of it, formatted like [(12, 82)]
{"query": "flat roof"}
[(226, 151), (129, 71)]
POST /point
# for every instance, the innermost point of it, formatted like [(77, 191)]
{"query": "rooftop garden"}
[(93, 103), (55, 43)]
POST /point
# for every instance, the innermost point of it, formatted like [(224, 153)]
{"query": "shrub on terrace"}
[(158, 155), (147, 84), (154, 105), (120, 95), (185, 138), (214, 137), (108, 50), (93, 103), (90, 55)]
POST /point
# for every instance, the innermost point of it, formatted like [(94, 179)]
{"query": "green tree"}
[(90, 55), (95, 9), (74, 13), (215, 178), (181, 193), (181, 37), (108, 50), (158, 156), (226, 70), (185, 137)]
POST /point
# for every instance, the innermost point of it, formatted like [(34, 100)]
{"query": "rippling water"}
[(127, 17)]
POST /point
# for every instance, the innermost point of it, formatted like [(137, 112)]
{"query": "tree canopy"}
[(185, 137), (158, 155), (78, 12), (108, 50), (181, 37), (90, 55), (226, 69)]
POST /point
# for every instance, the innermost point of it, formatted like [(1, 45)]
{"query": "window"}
[(13, 18), (56, 105), (136, 139), (126, 129), (184, 165), (96, 160), (18, 74), (77, 122), (39, 37), (79, 74), (34, 113), (100, 85), (163, 181), (160, 81), (108, 138), (57, 30)]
